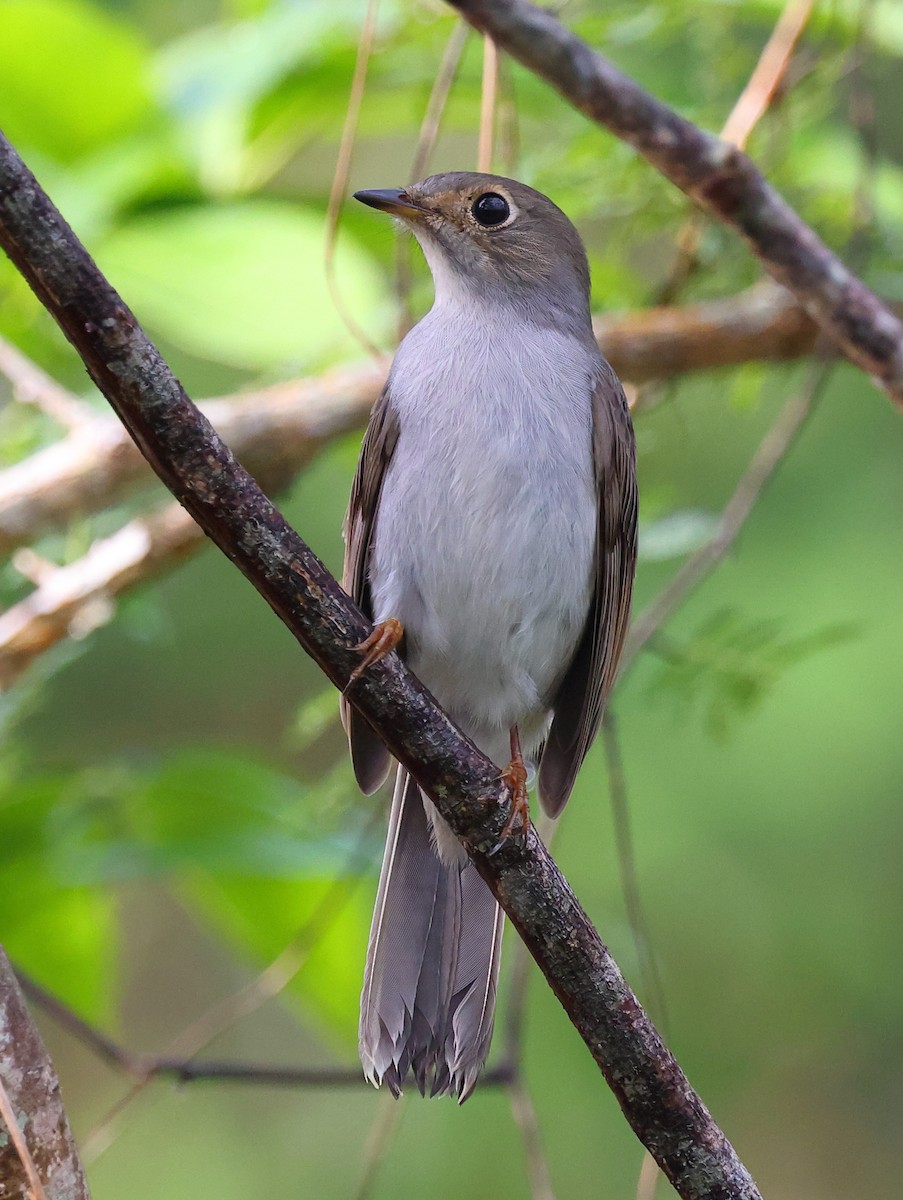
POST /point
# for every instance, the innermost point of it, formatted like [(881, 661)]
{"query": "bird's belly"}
[(486, 559)]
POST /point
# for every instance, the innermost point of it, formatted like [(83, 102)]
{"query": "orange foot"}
[(514, 777), (382, 641)]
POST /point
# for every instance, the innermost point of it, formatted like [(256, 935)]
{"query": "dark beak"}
[(390, 200)]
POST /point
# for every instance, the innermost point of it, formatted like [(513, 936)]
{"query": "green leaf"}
[(219, 811), (243, 284), (72, 77), (64, 934)]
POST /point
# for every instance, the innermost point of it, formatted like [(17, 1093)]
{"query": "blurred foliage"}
[(730, 663), (175, 804)]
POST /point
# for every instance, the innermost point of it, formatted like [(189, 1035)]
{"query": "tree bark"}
[(31, 1085)]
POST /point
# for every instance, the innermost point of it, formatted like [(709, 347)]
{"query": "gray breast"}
[(485, 532)]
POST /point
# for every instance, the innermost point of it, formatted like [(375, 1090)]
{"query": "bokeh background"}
[(174, 797)]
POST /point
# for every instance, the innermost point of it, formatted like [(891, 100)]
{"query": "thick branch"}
[(718, 176), (199, 469), (288, 423), (29, 1081)]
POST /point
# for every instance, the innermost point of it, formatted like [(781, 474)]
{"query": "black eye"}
[(491, 209)]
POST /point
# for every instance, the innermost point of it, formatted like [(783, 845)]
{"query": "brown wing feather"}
[(580, 700), (368, 754)]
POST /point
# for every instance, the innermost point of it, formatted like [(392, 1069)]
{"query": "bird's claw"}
[(383, 640), (514, 777)]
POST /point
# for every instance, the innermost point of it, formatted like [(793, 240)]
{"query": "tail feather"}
[(476, 981), (432, 962)]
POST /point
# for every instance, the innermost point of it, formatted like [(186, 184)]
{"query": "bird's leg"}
[(515, 777), (383, 640)]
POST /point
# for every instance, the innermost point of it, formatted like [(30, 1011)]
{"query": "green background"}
[(174, 797)]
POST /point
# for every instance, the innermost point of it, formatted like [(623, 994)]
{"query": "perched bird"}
[(491, 536)]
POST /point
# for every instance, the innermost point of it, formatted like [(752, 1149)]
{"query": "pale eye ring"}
[(490, 210)]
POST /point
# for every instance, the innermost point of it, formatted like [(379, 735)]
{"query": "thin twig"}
[(16, 1136), (74, 600), (343, 170), (487, 105), (142, 1067), (509, 127), (426, 144), (379, 1141), (771, 452), (648, 1178), (630, 887), (178, 1058), (751, 105), (524, 1113), (31, 385), (768, 74), (88, 1035), (438, 98)]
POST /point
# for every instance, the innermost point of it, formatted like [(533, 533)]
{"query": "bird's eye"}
[(490, 209)]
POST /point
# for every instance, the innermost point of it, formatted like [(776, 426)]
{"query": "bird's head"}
[(493, 238)]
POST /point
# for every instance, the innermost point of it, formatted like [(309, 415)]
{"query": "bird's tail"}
[(432, 962)]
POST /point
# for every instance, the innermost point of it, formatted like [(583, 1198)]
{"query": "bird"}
[(491, 537)]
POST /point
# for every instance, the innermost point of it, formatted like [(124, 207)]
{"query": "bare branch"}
[(718, 176), (38, 1157), (287, 424), (73, 601), (31, 385), (184, 1069), (762, 324), (280, 427), (184, 450)]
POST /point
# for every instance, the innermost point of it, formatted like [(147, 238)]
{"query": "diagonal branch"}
[(31, 385), (718, 176), (185, 451), (74, 600)]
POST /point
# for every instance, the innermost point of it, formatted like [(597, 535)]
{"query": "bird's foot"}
[(514, 778), (383, 640)]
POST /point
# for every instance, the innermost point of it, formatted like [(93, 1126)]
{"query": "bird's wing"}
[(368, 755), (580, 701)]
